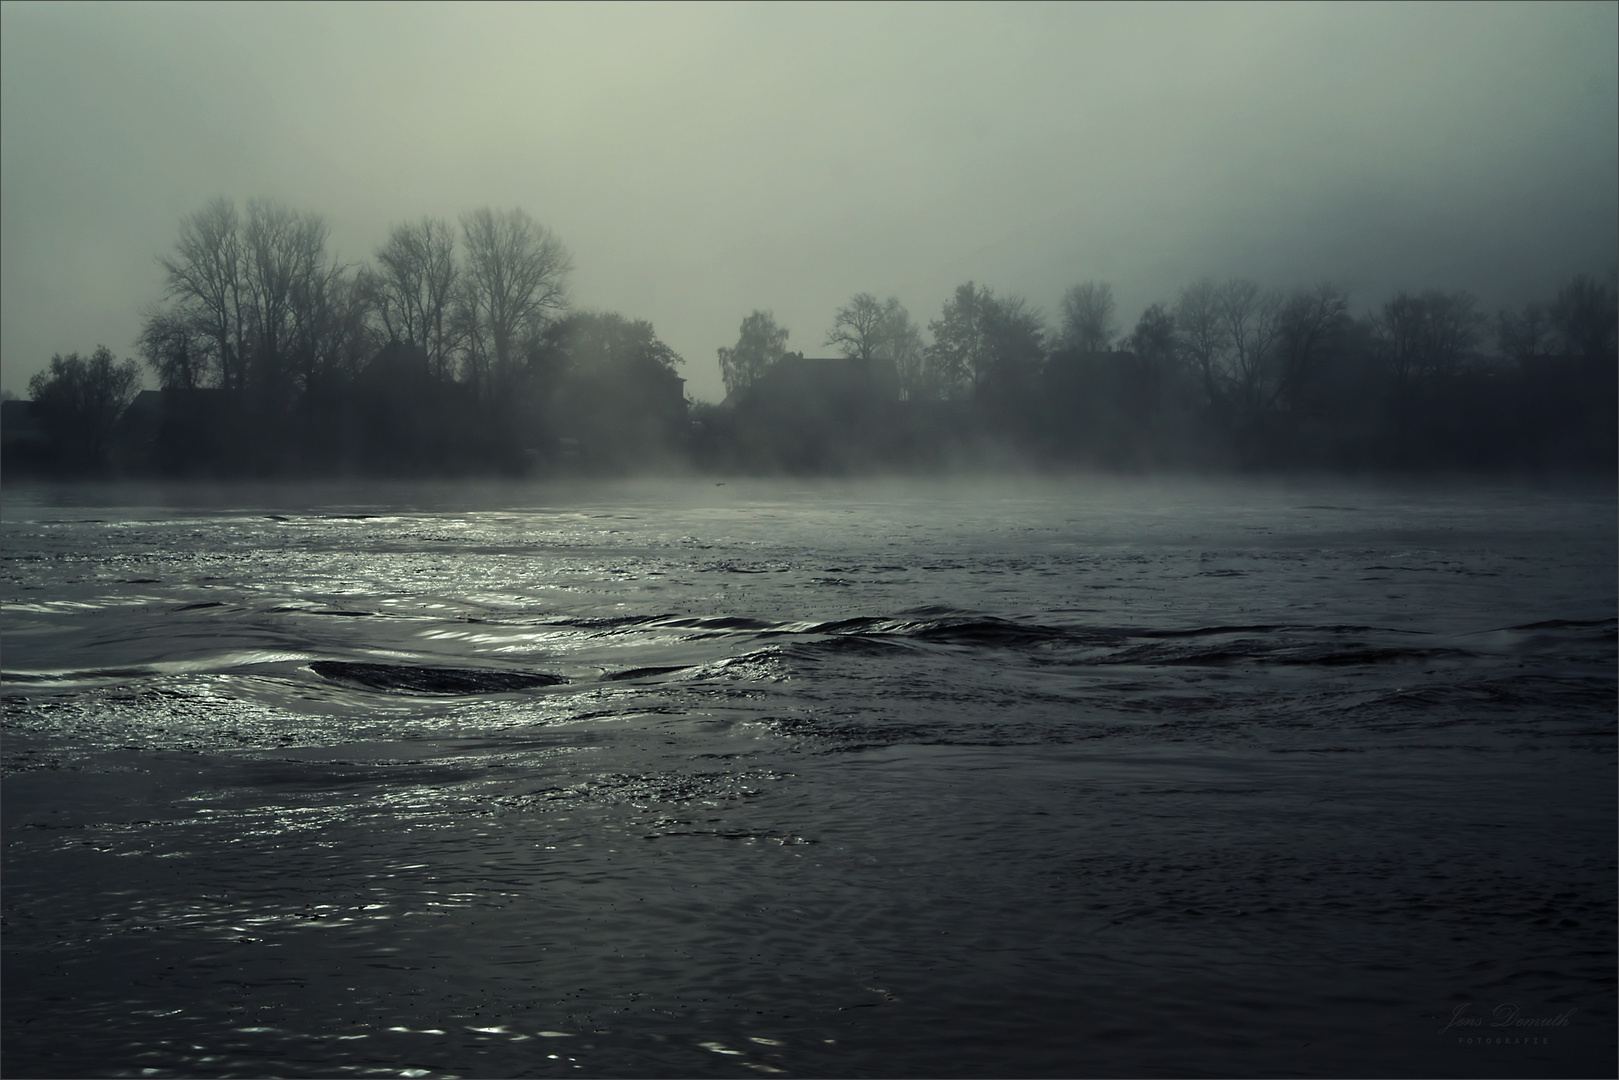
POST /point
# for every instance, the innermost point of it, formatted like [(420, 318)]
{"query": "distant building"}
[(25, 445), (19, 426)]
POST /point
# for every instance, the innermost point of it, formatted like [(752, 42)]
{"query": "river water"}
[(991, 778)]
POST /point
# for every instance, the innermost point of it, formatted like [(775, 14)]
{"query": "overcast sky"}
[(703, 161)]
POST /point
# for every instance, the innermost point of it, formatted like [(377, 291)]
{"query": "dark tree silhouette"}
[(902, 344), (590, 340), (1016, 339), (760, 343), (1157, 366), (959, 355), (175, 348), (287, 276), (79, 400), (1203, 336), (1087, 318), (1153, 339), (859, 328), (414, 290), (1252, 319), (1427, 336), (1310, 326), (979, 339), (332, 335), (614, 390), (1526, 336), (867, 329), (515, 275), (206, 283), (1586, 317)]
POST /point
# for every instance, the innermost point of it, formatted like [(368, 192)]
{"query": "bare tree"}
[(868, 329), (1586, 317), (1252, 320), (1399, 333), (515, 275), (760, 343), (1016, 336), (1527, 336), (415, 288), (330, 333), (206, 281), (1455, 325), (1087, 317), (1427, 336), (858, 328), (902, 344), (287, 275), (175, 347), (1310, 326), (1157, 351), (1203, 335)]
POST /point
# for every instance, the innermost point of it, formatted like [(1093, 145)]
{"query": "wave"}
[(1570, 624), (400, 678), (640, 673), (203, 665)]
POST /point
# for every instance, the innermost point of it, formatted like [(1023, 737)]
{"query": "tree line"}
[(1234, 374), (255, 301), (455, 349)]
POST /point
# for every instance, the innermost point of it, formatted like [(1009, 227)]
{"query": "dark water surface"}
[(1005, 779)]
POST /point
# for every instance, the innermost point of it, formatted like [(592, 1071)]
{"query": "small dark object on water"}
[(430, 680)]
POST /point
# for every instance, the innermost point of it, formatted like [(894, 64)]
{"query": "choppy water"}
[(1058, 778)]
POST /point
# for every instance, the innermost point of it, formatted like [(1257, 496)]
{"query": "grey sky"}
[(703, 161)]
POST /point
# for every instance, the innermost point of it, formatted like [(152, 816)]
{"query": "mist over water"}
[(993, 777)]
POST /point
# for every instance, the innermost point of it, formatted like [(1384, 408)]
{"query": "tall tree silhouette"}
[(858, 328), (175, 347), (959, 356), (902, 344), (515, 275), (205, 280), (1586, 317), (414, 288), (759, 344), (1087, 317), (1427, 336), (1203, 337), (80, 401), (1310, 326)]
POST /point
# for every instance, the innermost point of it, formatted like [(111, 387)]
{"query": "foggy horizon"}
[(702, 162)]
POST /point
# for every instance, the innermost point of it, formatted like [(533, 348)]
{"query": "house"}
[(19, 426), (25, 445)]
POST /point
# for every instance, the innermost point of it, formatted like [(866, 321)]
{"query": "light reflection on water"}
[(856, 782)]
